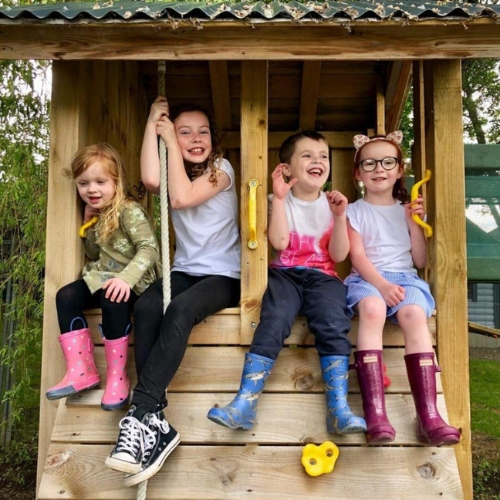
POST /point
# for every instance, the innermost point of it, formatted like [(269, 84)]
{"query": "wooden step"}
[(214, 369), (281, 419), (76, 471), (224, 328)]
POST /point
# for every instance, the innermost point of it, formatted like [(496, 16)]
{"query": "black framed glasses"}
[(370, 164)]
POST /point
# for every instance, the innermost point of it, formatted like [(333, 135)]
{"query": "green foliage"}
[(486, 480), (481, 99), (485, 397), (24, 144)]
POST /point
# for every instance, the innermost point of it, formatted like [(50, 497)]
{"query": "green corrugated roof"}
[(341, 11)]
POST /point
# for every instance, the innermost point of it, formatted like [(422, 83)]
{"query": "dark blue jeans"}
[(322, 300)]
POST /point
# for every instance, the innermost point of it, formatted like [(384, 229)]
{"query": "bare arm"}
[(338, 247), (183, 193), (392, 294), (417, 238)]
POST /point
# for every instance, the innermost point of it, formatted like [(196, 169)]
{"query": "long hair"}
[(399, 191), (111, 161), (215, 156)]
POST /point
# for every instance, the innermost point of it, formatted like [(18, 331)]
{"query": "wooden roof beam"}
[(311, 73), (398, 86), (237, 40), (220, 94)]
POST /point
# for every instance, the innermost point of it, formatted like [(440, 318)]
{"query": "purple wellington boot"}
[(368, 366), (431, 428)]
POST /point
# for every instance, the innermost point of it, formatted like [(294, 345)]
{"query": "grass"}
[(485, 413)]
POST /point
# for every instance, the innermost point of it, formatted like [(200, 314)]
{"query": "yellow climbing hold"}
[(321, 459)]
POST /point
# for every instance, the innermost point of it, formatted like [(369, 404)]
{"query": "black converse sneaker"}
[(134, 438), (166, 438)]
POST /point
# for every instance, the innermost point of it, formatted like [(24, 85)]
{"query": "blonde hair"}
[(112, 162)]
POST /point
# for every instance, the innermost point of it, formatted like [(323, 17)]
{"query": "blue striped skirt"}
[(417, 293)]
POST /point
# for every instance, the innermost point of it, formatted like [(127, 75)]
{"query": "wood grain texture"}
[(254, 151), (209, 369), (447, 248), (281, 419), (260, 472), (237, 40)]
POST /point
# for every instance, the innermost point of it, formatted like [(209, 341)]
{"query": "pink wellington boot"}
[(117, 390), (81, 372), (431, 428)]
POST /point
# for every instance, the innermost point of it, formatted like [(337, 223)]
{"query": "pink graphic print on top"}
[(306, 251)]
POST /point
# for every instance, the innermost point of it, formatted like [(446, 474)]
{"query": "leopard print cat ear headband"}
[(361, 140)]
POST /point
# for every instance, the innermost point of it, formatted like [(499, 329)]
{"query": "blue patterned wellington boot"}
[(241, 412), (340, 419)]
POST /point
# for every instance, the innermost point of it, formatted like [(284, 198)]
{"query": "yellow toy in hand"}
[(321, 459), (83, 230)]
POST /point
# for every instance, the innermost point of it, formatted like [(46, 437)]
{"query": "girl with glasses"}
[(386, 246)]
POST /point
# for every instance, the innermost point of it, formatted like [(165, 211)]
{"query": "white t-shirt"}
[(207, 236), (311, 225), (385, 234)]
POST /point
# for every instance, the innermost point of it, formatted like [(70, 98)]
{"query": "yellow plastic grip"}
[(252, 214), (83, 230), (321, 459), (414, 196)]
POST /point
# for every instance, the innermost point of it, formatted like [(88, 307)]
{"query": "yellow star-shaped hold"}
[(321, 459)]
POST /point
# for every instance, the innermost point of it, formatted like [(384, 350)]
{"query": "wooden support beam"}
[(398, 86), (447, 248), (254, 154), (220, 94), (241, 40), (342, 140), (380, 108), (64, 251), (311, 73)]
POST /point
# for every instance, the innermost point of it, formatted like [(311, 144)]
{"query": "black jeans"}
[(161, 339), (72, 299), (320, 297)]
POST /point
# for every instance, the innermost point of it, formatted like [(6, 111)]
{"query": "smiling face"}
[(310, 164), (193, 134), (379, 181), (96, 186)]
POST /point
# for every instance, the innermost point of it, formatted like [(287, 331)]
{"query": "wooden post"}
[(380, 128), (448, 265), (342, 161), (83, 112), (311, 74), (64, 251), (254, 154)]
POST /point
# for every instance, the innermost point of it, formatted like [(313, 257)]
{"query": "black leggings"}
[(72, 299), (161, 340)]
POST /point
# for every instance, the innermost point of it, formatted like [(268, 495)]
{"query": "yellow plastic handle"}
[(319, 460), (414, 196), (252, 214), (83, 230)]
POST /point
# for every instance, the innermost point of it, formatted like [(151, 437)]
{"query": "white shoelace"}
[(135, 434), (161, 424)]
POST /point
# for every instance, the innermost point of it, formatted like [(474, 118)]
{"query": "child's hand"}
[(166, 130), (392, 294), (116, 290), (338, 202), (159, 108), (89, 213), (280, 187), (416, 207)]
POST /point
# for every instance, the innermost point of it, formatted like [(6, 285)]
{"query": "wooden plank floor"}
[(213, 462)]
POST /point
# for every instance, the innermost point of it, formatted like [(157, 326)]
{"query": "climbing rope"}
[(165, 247)]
